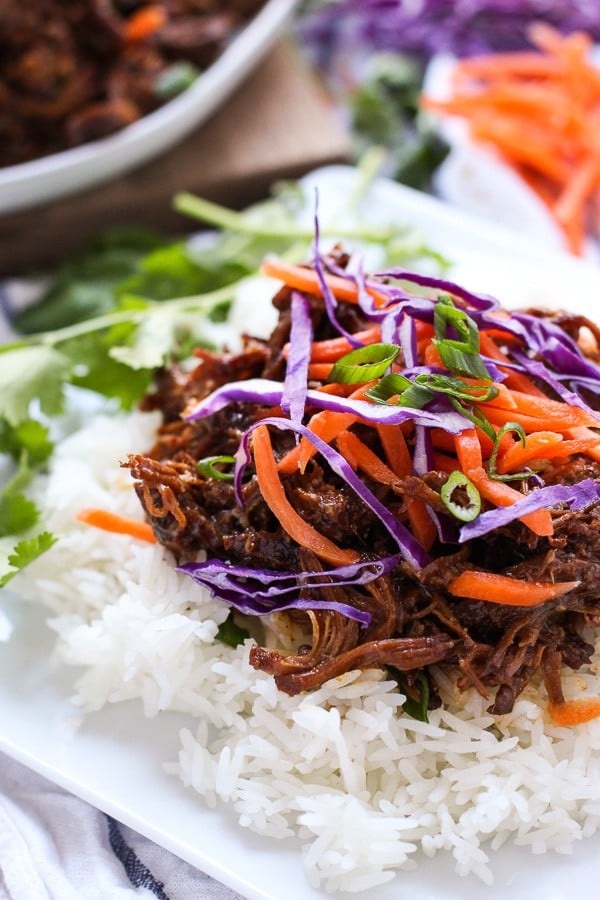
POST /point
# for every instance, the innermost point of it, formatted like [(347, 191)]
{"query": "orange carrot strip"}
[(493, 588), (293, 524), (362, 457), (395, 449), (444, 463), (340, 390), (577, 190), (468, 451), (108, 521), (514, 380), (500, 494), (432, 357), (421, 523), (331, 350), (536, 446), (540, 446), (545, 407), (575, 712), (319, 371), (593, 450), (532, 424), (144, 22), (307, 280), (522, 64), (326, 424)]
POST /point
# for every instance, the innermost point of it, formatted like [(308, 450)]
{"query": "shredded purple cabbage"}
[(576, 496), (258, 592), (462, 27), (268, 393), (293, 397)]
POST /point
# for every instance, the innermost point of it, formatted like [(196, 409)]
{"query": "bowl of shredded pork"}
[(364, 552)]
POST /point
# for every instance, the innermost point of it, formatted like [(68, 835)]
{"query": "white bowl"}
[(50, 177)]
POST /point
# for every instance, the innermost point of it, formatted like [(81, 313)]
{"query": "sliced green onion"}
[(460, 361), (459, 481), (475, 416), (395, 385), (491, 466), (445, 314), (455, 387), (176, 79), (208, 467), (460, 356), (363, 364)]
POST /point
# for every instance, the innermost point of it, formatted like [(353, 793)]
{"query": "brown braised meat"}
[(72, 71), (415, 622)]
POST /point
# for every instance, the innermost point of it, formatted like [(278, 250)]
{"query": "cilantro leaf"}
[(151, 342), (29, 437), (230, 633), (29, 373), (17, 513), (14, 558), (85, 286)]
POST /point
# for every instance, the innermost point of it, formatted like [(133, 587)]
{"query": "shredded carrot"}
[(326, 424), (575, 712), (331, 350), (500, 494), (583, 434), (144, 22), (515, 380), (292, 523), (540, 446), (303, 279), (530, 424), (492, 588), (362, 457), (468, 451), (540, 110), (396, 450), (319, 371), (431, 356), (108, 521)]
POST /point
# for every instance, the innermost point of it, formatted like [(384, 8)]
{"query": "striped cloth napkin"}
[(53, 846)]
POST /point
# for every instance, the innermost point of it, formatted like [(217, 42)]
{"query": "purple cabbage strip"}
[(261, 591), (330, 301), (409, 547), (577, 496), (423, 461), (268, 393), (539, 370), (567, 362), (482, 302), (465, 27), (295, 386), (407, 338)]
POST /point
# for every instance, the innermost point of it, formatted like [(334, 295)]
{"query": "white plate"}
[(114, 758), (41, 180)]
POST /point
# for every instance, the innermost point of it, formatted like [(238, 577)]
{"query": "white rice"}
[(365, 789)]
